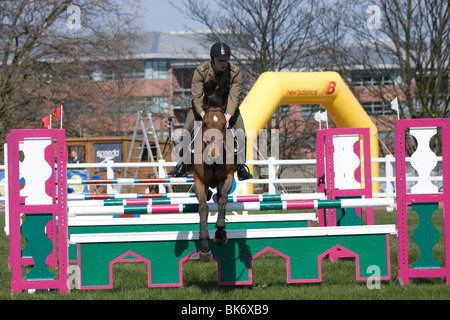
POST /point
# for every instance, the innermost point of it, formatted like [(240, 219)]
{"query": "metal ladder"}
[(143, 129)]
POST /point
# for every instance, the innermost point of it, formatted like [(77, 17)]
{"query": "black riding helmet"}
[(220, 51)]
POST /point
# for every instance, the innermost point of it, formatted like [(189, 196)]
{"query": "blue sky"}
[(160, 15)]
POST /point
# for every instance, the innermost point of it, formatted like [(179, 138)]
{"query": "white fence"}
[(269, 181), (296, 175)]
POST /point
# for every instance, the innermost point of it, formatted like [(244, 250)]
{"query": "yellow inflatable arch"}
[(273, 89)]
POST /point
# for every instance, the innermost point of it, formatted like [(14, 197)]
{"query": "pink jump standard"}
[(35, 199), (424, 198), (342, 155)]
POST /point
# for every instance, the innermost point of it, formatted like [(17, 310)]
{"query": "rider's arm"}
[(235, 90), (197, 91)]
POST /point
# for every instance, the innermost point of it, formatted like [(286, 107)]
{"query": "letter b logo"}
[(330, 87)]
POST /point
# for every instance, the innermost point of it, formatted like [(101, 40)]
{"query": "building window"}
[(159, 105), (281, 113), (135, 73), (388, 138), (307, 111), (97, 74), (156, 69), (308, 140), (378, 109), (74, 108), (156, 105), (109, 74), (365, 80)]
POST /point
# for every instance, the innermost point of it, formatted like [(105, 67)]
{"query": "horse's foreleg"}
[(203, 210), (220, 237), (204, 235)]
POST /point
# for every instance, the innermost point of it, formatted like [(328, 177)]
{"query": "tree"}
[(265, 35), (402, 45), (98, 94), (42, 41), (271, 35)]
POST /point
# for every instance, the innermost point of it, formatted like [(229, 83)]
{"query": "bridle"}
[(215, 110), (200, 128), (217, 141)]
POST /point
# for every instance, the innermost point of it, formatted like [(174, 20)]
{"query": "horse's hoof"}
[(221, 241), (205, 256)]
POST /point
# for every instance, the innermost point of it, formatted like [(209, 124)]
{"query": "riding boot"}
[(243, 172), (180, 170)]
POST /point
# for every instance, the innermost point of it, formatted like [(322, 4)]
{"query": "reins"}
[(199, 128)]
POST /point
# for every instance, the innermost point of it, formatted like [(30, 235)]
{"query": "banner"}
[(105, 152), (77, 175)]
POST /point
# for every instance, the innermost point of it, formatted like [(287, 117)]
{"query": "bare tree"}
[(402, 46), (265, 35), (98, 95), (41, 41)]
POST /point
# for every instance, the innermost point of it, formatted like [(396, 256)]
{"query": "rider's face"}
[(220, 65)]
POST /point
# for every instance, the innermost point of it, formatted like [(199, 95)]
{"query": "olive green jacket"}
[(207, 80)]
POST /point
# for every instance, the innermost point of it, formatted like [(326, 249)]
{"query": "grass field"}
[(269, 279)]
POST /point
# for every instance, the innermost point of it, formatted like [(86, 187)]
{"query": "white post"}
[(109, 175), (161, 174), (389, 159), (272, 175), (389, 177)]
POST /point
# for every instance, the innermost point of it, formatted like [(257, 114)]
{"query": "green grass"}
[(269, 279)]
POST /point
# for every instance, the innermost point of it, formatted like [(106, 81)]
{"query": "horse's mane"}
[(213, 102)]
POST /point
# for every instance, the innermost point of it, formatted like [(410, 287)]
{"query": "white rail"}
[(271, 168)]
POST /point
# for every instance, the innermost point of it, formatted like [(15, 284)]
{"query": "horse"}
[(210, 174)]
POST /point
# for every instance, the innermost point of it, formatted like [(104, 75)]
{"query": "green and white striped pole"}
[(234, 206)]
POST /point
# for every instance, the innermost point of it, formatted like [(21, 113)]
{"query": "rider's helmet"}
[(220, 51)]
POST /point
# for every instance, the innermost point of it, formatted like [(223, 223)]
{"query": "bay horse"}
[(213, 171)]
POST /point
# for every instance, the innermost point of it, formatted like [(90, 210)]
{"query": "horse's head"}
[(214, 117), (214, 126)]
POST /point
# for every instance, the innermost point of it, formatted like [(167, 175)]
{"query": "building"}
[(163, 67), (160, 77)]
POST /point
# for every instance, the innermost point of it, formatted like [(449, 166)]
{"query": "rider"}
[(223, 79)]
